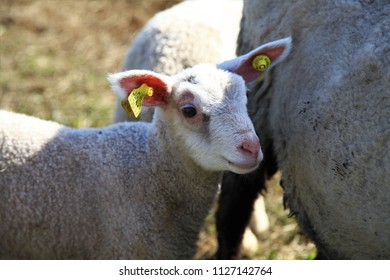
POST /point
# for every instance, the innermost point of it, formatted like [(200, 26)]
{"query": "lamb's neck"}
[(176, 156), (189, 184), (190, 189)]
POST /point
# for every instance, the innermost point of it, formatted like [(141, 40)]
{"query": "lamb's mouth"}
[(244, 166)]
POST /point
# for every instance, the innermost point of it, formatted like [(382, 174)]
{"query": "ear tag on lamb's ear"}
[(133, 103), (261, 63)]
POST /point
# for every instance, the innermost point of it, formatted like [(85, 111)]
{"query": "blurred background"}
[(54, 58)]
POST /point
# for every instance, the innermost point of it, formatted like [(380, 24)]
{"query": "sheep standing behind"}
[(182, 36), (325, 116), (133, 190), (187, 34)]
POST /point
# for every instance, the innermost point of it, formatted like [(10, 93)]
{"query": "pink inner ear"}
[(160, 88), (246, 70)]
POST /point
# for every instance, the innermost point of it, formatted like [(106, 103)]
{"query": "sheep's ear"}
[(124, 83), (140, 87), (254, 64)]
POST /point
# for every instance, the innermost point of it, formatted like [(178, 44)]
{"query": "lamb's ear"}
[(254, 64), (124, 83), (141, 87)]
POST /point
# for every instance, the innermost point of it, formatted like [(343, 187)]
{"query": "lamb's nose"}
[(251, 146)]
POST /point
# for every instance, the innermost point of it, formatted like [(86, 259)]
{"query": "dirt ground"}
[(54, 57)]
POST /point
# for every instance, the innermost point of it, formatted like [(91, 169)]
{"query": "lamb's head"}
[(204, 107)]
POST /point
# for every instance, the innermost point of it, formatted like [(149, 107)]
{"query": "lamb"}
[(132, 190), (169, 43), (324, 119)]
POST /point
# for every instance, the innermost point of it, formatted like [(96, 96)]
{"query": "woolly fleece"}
[(187, 34), (327, 111)]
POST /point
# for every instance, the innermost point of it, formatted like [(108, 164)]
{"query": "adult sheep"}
[(324, 119)]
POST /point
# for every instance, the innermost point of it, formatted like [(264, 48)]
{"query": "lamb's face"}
[(206, 106), (207, 109)]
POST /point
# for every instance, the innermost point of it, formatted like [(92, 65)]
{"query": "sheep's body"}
[(187, 34), (326, 113), (73, 193)]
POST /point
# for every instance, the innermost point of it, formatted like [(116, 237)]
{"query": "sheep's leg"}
[(259, 221), (238, 195), (258, 224)]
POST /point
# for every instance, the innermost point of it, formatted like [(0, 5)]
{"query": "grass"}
[(54, 57)]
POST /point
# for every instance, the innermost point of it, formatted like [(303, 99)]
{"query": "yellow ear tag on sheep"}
[(261, 62), (133, 103)]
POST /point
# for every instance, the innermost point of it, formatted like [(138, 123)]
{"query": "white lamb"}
[(190, 33), (132, 190)]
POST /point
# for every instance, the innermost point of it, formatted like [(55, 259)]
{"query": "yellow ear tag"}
[(261, 62), (133, 103), (260, 78)]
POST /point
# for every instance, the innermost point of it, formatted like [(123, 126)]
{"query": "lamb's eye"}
[(189, 110)]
